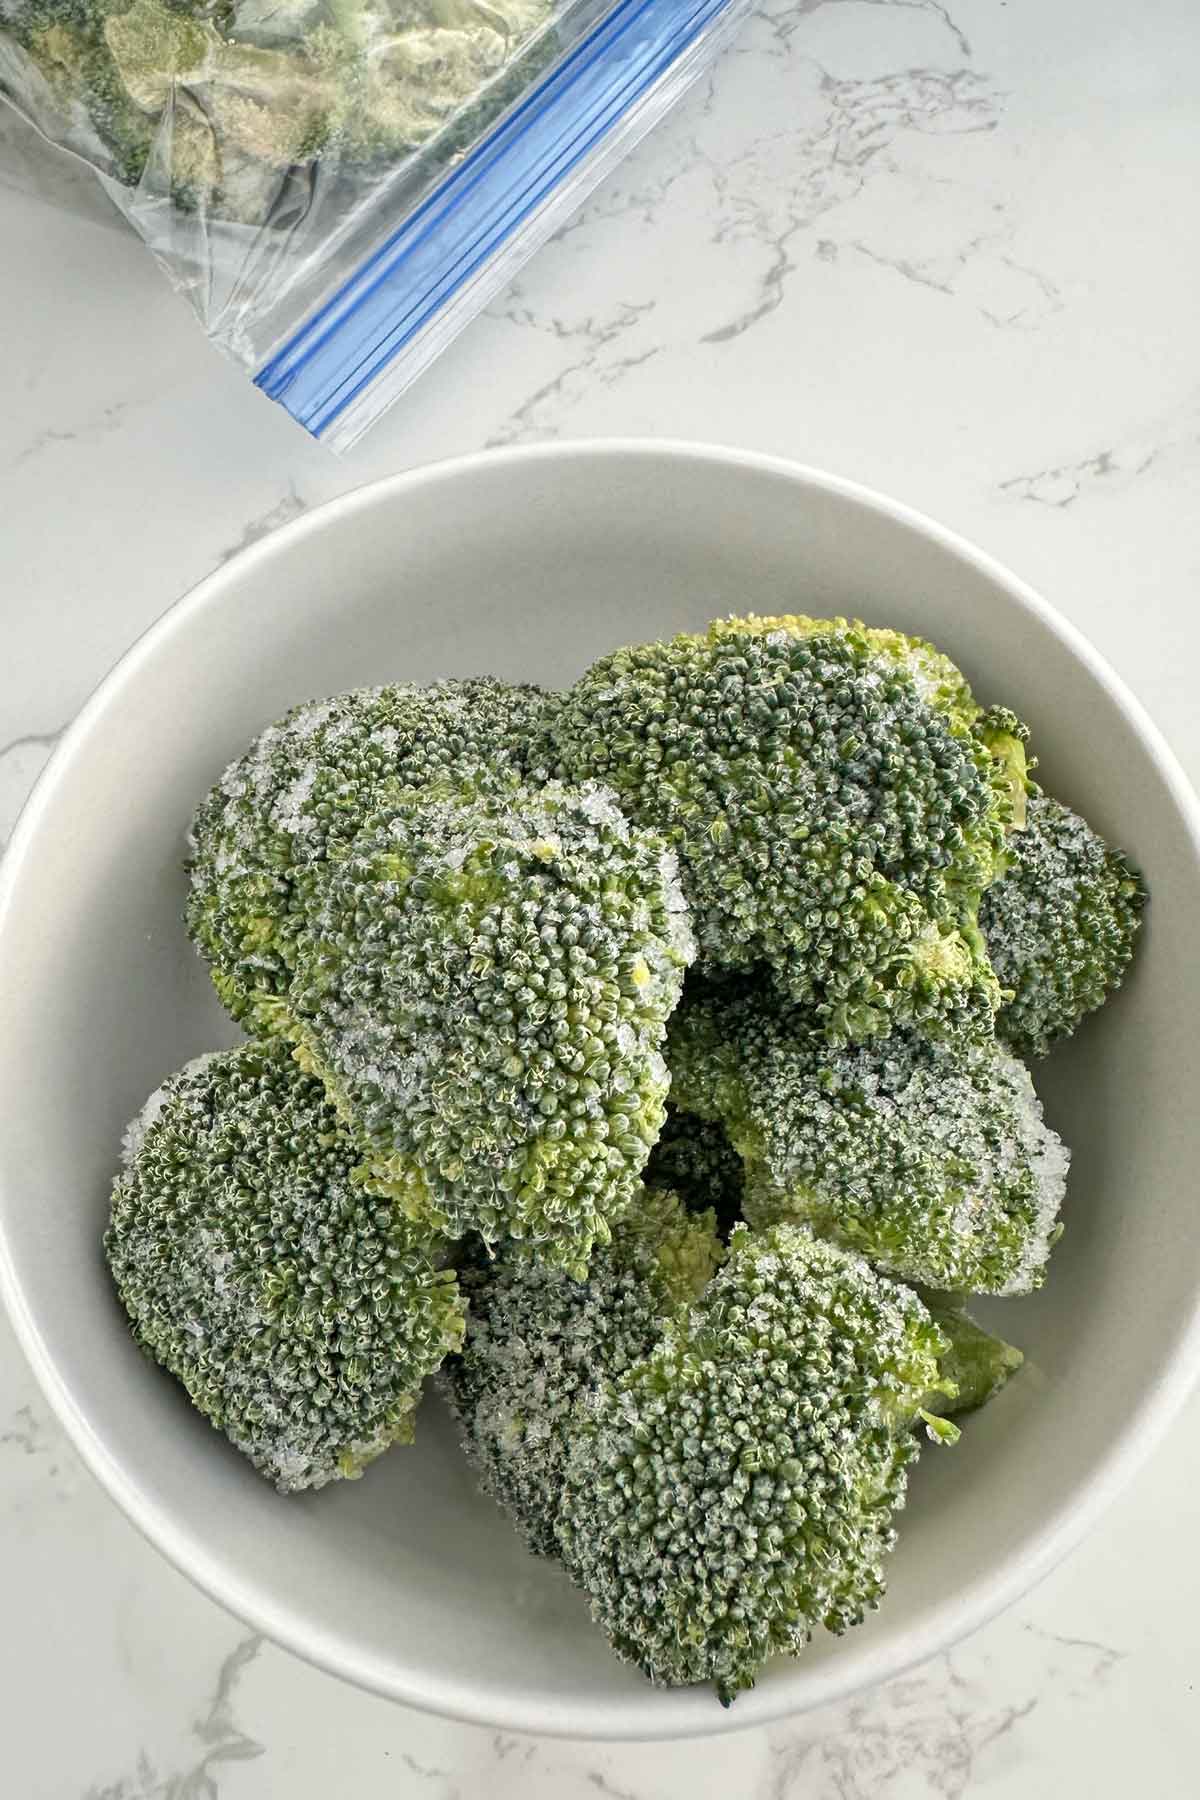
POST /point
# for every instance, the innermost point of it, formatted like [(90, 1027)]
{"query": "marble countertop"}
[(948, 249)]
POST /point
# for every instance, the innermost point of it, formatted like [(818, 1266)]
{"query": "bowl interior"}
[(528, 566)]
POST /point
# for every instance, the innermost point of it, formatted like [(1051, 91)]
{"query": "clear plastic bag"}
[(338, 186)]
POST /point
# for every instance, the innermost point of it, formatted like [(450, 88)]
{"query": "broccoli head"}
[(300, 1313), (733, 1490), (1060, 926), (300, 794), (836, 811), (695, 1159), (931, 1157), (485, 991), (539, 1343)]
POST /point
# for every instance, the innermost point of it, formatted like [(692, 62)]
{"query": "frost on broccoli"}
[(300, 1313), (1060, 926), (733, 1491), (539, 1344), (695, 1159), (299, 795), (931, 1157), (214, 102), (838, 800), (485, 992), (58, 65)]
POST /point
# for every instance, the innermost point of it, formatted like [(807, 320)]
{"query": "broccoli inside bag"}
[(339, 185)]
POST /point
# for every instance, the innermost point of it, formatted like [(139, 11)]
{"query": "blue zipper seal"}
[(380, 309)]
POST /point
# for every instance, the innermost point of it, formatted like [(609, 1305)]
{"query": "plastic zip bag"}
[(338, 186)]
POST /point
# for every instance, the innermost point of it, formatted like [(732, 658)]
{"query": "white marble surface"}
[(951, 250)]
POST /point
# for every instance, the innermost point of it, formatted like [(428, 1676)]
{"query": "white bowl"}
[(529, 564)]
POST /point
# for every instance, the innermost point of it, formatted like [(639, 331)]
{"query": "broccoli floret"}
[(300, 1313), (65, 41), (300, 794), (976, 1365), (733, 1491), (930, 1157), (213, 101), (274, 105), (695, 1159), (1060, 926), (533, 43), (439, 73), (485, 991), (836, 813), (539, 1343)]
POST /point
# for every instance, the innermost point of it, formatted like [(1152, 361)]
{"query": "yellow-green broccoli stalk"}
[(977, 1363), (301, 1313)]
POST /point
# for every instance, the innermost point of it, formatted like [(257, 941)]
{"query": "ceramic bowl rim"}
[(963, 1612)]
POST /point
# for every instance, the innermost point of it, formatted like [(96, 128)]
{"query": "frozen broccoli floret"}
[(695, 1159), (433, 67), (65, 43), (276, 105), (1060, 925), (931, 1157), (539, 1344), (532, 42), (300, 1313), (1004, 736), (734, 1490), (155, 47), (205, 100), (485, 992), (836, 811), (976, 1365), (301, 793)]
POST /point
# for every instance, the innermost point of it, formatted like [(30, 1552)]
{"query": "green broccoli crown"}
[(300, 1313), (931, 1157), (1060, 926), (301, 793), (695, 1159), (835, 812), (734, 1489), (539, 1343), (976, 1364), (485, 991)]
